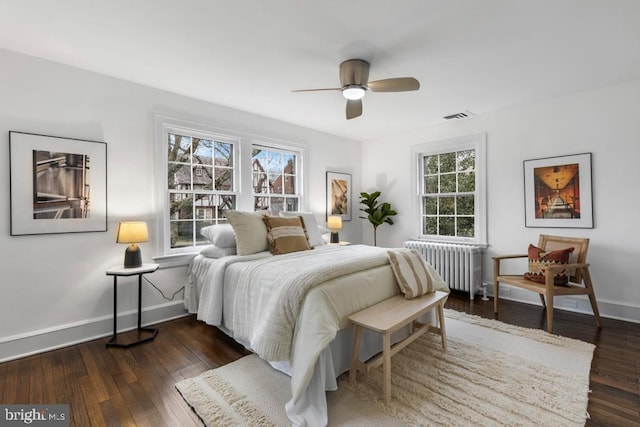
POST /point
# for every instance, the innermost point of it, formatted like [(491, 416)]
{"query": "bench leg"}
[(443, 333), (386, 354), (355, 356)]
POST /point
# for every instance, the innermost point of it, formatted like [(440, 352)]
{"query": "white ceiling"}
[(475, 55)]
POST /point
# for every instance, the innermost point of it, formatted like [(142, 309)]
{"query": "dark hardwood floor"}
[(135, 386)]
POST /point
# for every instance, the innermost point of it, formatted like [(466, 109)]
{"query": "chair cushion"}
[(539, 259), (411, 271), (286, 235)]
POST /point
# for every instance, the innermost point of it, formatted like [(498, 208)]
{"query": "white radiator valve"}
[(484, 292)]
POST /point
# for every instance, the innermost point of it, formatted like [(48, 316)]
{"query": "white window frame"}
[(165, 126), (476, 142), (286, 149)]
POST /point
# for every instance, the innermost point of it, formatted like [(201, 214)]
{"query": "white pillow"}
[(315, 238), (250, 231), (412, 272), (220, 235), (214, 251)]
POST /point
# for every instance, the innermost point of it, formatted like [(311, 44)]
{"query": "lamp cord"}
[(162, 293)]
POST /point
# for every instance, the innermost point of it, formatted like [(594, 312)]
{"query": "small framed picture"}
[(339, 195), (58, 185), (557, 192)]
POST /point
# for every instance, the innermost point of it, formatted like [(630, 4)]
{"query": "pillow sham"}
[(214, 251), (313, 230), (411, 271), (250, 232), (220, 235), (286, 235), (539, 259)]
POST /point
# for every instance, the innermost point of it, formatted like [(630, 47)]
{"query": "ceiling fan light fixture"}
[(353, 92)]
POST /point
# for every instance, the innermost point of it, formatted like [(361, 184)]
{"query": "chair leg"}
[(542, 300), (496, 285), (592, 295), (549, 309)]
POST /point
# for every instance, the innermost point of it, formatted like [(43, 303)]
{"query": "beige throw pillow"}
[(250, 232), (411, 271), (286, 235)]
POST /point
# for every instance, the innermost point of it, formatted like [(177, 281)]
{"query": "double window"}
[(203, 179), (451, 176)]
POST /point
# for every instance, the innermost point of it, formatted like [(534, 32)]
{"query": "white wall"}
[(54, 289), (603, 122)]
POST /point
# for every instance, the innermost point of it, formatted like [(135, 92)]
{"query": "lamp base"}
[(132, 257), (334, 237)]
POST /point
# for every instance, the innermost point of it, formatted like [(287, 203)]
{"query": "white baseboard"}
[(22, 345), (576, 304)]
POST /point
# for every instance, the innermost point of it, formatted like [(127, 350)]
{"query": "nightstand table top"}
[(123, 271)]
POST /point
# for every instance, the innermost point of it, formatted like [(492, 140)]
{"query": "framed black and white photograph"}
[(58, 185), (339, 195), (558, 193)]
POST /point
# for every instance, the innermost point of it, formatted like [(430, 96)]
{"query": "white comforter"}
[(270, 293), (290, 307)]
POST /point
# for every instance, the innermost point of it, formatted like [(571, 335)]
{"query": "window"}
[(204, 171), (451, 190), (201, 185), (275, 179)]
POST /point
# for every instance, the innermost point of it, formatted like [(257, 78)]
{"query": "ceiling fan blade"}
[(316, 90), (354, 108), (399, 84)]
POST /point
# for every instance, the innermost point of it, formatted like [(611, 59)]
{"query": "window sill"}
[(174, 260)]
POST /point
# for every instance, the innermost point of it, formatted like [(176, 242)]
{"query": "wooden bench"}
[(387, 317)]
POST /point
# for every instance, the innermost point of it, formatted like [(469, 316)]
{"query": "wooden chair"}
[(578, 270)]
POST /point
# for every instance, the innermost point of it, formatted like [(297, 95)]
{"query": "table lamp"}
[(334, 223), (132, 232)]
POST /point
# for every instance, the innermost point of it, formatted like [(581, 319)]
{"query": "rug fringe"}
[(241, 410)]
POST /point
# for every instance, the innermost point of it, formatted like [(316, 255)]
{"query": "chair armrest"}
[(497, 264), (565, 266), (497, 258)]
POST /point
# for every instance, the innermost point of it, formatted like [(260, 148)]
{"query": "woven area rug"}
[(491, 374)]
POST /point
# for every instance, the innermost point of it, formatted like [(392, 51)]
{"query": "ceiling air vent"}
[(459, 115)]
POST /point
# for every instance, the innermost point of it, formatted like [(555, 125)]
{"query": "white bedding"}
[(245, 294)]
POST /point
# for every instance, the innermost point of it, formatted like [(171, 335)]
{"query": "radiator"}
[(460, 266)]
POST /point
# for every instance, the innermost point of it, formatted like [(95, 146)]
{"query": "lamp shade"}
[(334, 223), (132, 232)]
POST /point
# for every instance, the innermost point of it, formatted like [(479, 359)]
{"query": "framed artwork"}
[(339, 195), (557, 192), (58, 185)]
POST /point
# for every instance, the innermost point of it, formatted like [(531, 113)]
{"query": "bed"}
[(291, 309)]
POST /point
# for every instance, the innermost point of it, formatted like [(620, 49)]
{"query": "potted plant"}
[(377, 213)]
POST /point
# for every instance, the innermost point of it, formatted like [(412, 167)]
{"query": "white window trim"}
[(163, 126), (477, 142)]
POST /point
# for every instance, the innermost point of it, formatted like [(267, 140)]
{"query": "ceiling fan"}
[(354, 78)]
